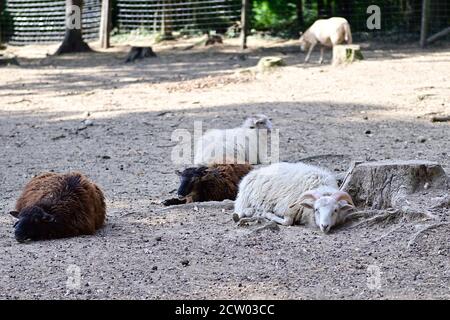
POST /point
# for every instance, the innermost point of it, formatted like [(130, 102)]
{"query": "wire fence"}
[(28, 21), (165, 16), (43, 21), (400, 19)]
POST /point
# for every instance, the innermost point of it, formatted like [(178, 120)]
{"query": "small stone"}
[(88, 123), (421, 139), (185, 262), (154, 268), (368, 132), (158, 238)]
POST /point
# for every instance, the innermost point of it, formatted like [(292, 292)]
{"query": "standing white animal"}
[(326, 32), (244, 144), (292, 193)]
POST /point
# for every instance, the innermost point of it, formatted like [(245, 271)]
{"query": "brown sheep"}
[(214, 183), (56, 205)]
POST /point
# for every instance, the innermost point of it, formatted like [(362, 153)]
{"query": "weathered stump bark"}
[(396, 184), (346, 53)]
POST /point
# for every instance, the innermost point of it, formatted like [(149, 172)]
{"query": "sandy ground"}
[(375, 109)]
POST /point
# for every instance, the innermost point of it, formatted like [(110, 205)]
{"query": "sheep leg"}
[(286, 221), (173, 201), (322, 49), (309, 52)]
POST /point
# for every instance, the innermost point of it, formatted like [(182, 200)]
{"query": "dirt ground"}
[(375, 109)]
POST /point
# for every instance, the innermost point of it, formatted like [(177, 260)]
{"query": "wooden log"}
[(346, 53), (440, 118), (438, 35), (8, 60)]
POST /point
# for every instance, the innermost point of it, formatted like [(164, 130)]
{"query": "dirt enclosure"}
[(375, 109)]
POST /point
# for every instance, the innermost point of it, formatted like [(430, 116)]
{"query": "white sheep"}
[(244, 144), (289, 193), (327, 33)]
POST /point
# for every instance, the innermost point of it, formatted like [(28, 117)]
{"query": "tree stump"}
[(140, 53), (268, 63), (346, 54), (397, 184), (8, 60)]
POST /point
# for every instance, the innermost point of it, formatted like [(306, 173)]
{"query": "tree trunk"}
[(320, 7), (345, 8), (299, 11), (73, 38), (244, 23), (166, 24)]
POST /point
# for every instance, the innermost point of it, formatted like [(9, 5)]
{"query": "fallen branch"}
[(438, 35), (440, 118), (423, 230), (349, 173), (321, 156), (225, 204)]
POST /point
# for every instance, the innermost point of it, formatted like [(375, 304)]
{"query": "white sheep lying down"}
[(245, 144), (292, 193)]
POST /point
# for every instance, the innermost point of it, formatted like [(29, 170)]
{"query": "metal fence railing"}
[(400, 19), (43, 21), (30, 21), (165, 16)]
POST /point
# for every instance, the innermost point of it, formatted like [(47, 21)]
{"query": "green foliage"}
[(273, 14)]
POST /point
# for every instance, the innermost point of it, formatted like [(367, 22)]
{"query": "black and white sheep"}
[(213, 183)]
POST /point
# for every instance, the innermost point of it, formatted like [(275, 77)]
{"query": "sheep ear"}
[(15, 214), (345, 207), (307, 205)]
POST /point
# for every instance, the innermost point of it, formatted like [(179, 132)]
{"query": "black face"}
[(33, 224), (188, 178)]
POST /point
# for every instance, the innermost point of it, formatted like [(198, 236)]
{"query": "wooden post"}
[(244, 23), (105, 23), (424, 24), (1, 10)]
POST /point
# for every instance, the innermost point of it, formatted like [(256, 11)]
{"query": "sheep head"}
[(304, 44), (33, 224), (190, 180), (259, 121), (329, 210)]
